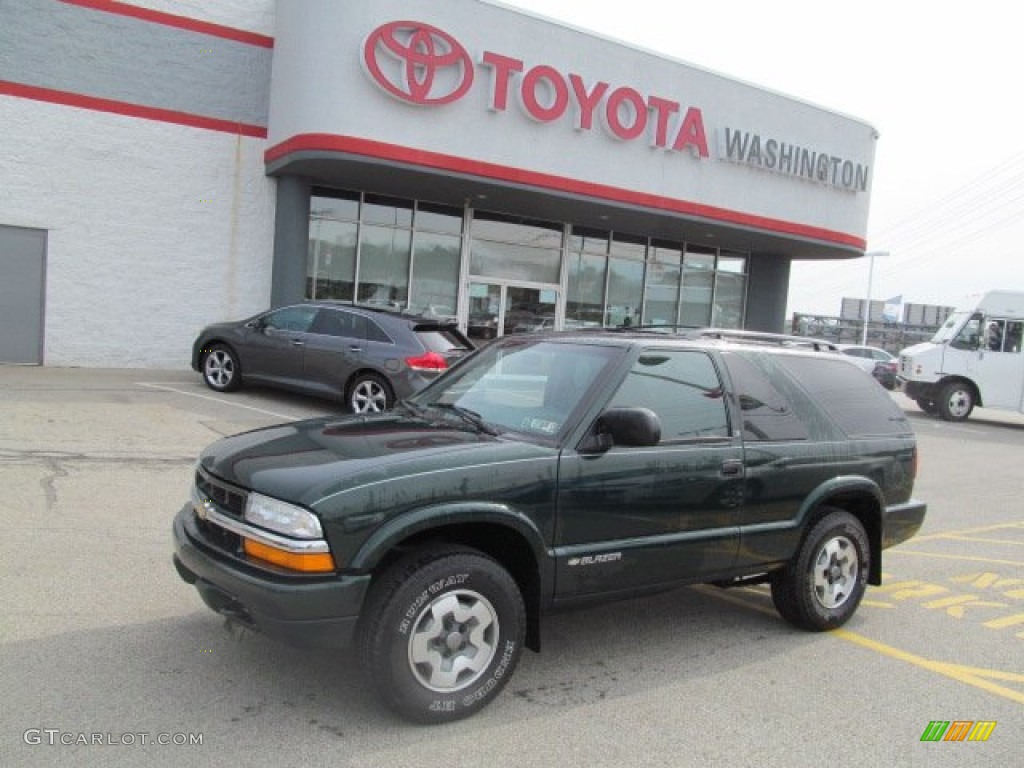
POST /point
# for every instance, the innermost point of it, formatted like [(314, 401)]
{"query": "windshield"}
[(520, 385), (950, 327)]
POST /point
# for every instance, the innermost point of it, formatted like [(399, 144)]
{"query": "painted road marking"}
[(220, 400), (975, 677)]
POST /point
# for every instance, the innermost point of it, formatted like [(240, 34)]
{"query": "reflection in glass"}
[(335, 205), (528, 310), (625, 292), (484, 309), (514, 262), (661, 297), (729, 293), (435, 275), (389, 211), (384, 266), (698, 283), (584, 305), (331, 259)]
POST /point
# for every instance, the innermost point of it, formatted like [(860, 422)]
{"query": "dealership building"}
[(170, 164)]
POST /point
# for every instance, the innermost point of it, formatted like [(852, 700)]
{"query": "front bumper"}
[(902, 521), (320, 612)]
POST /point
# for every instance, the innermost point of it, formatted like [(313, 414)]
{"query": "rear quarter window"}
[(766, 414), (852, 398)]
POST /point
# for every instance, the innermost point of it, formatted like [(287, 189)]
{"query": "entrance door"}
[(498, 308), (22, 287)]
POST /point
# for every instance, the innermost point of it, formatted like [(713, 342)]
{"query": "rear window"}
[(851, 398), (441, 340)]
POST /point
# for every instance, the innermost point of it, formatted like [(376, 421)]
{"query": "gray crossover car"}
[(364, 356)]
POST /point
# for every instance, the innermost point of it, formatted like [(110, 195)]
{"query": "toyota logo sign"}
[(418, 63)]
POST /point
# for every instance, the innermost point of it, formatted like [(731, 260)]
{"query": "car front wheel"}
[(956, 401), (442, 631), (221, 370), (823, 585)]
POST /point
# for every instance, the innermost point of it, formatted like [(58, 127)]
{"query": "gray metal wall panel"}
[(22, 282), (64, 47)]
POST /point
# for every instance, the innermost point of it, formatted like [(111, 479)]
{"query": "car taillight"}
[(428, 361)]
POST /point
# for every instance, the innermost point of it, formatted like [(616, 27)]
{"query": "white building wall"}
[(249, 15), (154, 229)]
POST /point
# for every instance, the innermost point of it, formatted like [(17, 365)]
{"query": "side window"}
[(766, 413), (290, 319), (995, 330), (1014, 332), (970, 335), (336, 322), (683, 388), (375, 333)]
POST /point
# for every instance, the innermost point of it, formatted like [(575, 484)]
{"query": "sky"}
[(940, 81)]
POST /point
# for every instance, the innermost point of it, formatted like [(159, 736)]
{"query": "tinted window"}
[(854, 402), (766, 414), (442, 341), (375, 333), (683, 388), (290, 319), (336, 322)]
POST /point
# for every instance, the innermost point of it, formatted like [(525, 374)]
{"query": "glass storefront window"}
[(514, 262), (388, 211), (331, 259), (625, 292), (628, 246), (438, 218), (384, 266), (584, 306), (729, 293), (589, 240), (435, 274), (514, 229), (661, 296), (326, 204), (698, 284), (732, 262)]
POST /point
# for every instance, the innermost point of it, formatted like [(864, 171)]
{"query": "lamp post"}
[(867, 304)]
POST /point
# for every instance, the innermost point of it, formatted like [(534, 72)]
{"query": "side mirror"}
[(630, 427)]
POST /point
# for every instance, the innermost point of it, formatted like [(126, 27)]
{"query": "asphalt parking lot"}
[(104, 652)]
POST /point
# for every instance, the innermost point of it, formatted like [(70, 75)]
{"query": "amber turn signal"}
[(306, 562)]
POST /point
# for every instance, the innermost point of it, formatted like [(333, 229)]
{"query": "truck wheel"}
[(824, 583), (441, 633), (956, 401)]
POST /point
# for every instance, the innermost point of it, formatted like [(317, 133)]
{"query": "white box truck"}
[(974, 359)]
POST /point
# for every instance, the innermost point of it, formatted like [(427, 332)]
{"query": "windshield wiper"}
[(470, 417)]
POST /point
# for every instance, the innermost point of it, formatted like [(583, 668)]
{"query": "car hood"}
[(306, 462)]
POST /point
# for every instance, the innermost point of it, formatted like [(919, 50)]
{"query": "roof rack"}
[(759, 337)]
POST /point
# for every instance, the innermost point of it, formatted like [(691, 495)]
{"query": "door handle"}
[(298, 343), (732, 468), (355, 349)]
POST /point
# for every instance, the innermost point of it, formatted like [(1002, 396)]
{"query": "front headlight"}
[(283, 518)]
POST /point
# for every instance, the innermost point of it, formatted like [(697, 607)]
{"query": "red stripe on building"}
[(173, 20), (130, 110), (321, 142)]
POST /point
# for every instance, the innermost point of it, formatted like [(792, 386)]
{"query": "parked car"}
[(545, 471), (367, 357), (879, 363)]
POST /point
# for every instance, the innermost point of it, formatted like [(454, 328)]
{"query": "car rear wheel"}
[(441, 633), (823, 585), (956, 401), (369, 393), (221, 370)]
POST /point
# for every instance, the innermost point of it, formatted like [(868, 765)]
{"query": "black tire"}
[(221, 369), (956, 401), (369, 393), (823, 585), (928, 406), (435, 610)]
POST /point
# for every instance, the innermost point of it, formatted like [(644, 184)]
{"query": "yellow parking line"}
[(900, 551), (1010, 542), (973, 676), (968, 675), (969, 531)]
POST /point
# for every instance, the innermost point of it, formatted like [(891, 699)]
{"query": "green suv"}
[(545, 471)]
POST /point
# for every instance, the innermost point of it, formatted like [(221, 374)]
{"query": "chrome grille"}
[(227, 497)]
